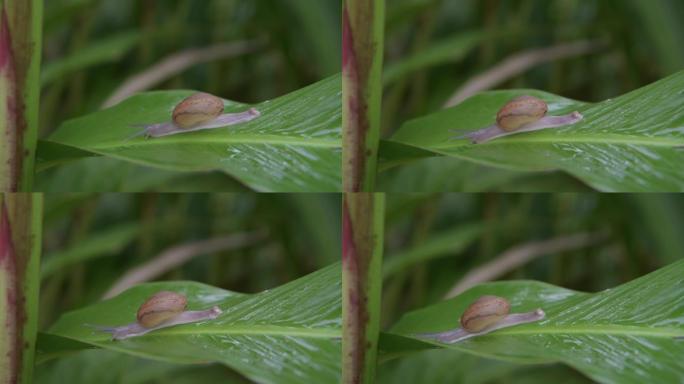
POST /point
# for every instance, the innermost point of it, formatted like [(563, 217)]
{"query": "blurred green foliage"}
[(92, 46), (91, 240), (435, 47), (643, 45), (643, 234), (86, 367)]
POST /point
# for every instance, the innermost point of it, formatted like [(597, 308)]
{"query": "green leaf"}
[(103, 51), (294, 145), (451, 366), (632, 143), (109, 367), (445, 174), (439, 245), (98, 244), (629, 334), (447, 50), (289, 334), (107, 174)]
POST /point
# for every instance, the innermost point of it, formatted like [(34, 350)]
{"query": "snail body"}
[(197, 112), (521, 114), (161, 310), (485, 315)]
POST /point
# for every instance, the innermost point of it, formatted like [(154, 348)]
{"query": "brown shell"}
[(484, 312), (197, 109), (520, 111), (161, 307)]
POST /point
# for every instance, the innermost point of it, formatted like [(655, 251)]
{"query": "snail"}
[(484, 315), (161, 310), (521, 114), (197, 112)]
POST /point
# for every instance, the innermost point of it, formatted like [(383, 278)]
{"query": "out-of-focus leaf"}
[(320, 22), (295, 145), (99, 52), (662, 24), (289, 334), (50, 346), (107, 174), (109, 367), (99, 244), (445, 174), (660, 217), (451, 49), (451, 366), (632, 143), (441, 244), (629, 334)]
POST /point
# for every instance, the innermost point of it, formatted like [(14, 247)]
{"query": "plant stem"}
[(362, 53), (20, 242), (20, 47), (362, 246)]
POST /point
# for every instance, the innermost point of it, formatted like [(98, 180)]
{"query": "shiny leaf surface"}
[(293, 146), (632, 143), (289, 334), (633, 333)]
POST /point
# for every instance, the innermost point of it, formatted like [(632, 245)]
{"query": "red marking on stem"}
[(8, 270), (14, 123), (348, 246), (348, 54), (356, 108), (5, 42), (356, 315), (352, 318)]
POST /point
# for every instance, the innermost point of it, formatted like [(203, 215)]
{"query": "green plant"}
[(628, 330), (444, 57), (20, 239), (279, 56), (20, 53), (362, 54), (103, 250), (362, 247)]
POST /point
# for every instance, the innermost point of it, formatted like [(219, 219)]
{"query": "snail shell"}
[(196, 109), (520, 111), (161, 307), (484, 313)]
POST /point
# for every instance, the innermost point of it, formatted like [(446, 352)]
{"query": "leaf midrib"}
[(255, 330), (606, 140), (625, 330), (279, 140)]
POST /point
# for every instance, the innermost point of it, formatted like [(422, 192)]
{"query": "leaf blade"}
[(287, 334), (631, 143), (295, 145), (621, 335)]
